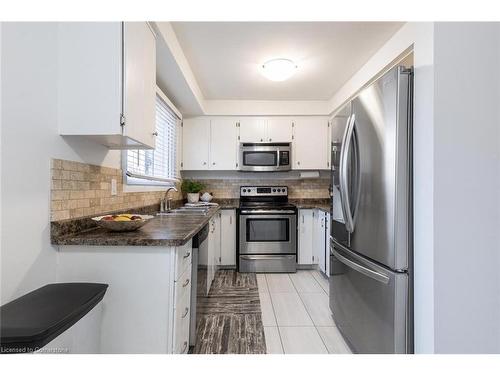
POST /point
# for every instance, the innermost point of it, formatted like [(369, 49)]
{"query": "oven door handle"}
[(277, 212), (266, 257)]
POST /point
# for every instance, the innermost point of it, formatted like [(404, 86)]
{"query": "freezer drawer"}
[(268, 263), (369, 303)]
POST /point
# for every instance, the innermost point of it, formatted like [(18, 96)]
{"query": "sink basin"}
[(181, 211)]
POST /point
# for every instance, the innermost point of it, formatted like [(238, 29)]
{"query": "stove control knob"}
[(244, 190), (274, 190), (283, 190)]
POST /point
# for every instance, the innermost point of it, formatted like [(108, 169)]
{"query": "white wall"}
[(467, 187), (29, 140)]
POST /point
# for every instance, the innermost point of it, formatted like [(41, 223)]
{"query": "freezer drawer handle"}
[(365, 271)]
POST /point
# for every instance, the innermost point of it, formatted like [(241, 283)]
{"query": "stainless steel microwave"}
[(265, 157)]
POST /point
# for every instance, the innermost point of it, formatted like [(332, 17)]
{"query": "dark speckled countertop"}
[(160, 231)]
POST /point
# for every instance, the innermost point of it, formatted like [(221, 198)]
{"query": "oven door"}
[(268, 233)]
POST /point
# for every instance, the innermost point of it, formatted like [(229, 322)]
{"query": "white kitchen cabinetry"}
[(107, 83), (223, 144), (319, 239), (252, 129), (195, 143), (146, 307), (266, 130), (228, 239), (305, 237), (210, 144), (311, 143), (279, 129), (213, 249), (327, 244)]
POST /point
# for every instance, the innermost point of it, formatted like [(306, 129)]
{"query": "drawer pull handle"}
[(184, 347), (185, 283), (185, 312), (188, 254)]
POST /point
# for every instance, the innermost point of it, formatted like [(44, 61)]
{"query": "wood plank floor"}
[(229, 319)]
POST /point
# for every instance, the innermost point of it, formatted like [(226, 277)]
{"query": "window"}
[(158, 166)]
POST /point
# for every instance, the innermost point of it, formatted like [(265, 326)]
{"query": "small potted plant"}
[(192, 189)]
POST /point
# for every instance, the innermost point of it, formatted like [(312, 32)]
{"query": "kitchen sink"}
[(185, 211)]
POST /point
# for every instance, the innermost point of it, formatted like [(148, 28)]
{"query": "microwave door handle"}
[(278, 159)]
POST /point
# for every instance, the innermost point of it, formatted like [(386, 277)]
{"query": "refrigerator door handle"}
[(358, 267), (344, 186)]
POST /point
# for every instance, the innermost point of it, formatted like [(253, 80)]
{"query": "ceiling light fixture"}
[(278, 69)]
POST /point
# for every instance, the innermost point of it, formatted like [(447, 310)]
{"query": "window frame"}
[(136, 181)]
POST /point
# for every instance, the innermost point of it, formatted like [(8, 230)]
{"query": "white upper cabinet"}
[(279, 129), (210, 144), (107, 82), (265, 130), (253, 130), (195, 143), (223, 144), (140, 83), (311, 143)]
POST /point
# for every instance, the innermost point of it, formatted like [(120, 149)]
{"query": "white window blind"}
[(158, 165)]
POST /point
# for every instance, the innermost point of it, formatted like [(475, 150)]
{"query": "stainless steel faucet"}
[(166, 202)]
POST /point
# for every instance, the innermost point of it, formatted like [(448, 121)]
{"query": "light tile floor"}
[(296, 315)]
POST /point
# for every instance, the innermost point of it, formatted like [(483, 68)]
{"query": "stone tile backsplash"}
[(80, 190), (297, 188)]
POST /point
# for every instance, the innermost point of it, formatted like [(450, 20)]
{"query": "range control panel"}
[(255, 191)]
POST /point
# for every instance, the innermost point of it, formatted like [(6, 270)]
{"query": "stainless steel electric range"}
[(267, 230)]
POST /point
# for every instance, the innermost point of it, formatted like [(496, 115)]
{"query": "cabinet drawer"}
[(181, 319), (182, 286), (182, 259)]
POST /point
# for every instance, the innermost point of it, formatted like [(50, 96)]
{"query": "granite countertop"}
[(309, 203), (160, 231)]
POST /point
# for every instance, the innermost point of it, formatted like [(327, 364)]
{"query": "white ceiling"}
[(225, 56)]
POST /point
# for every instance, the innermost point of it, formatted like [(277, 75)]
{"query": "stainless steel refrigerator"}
[(371, 226)]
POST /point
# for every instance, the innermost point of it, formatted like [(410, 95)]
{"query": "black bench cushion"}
[(33, 320)]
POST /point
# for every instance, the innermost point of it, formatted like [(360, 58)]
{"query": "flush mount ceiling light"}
[(278, 69)]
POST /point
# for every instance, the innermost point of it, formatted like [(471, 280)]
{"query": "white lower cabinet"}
[(182, 299), (319, 240), (213, 248), (228, 229), (305, 237), (314, 238)]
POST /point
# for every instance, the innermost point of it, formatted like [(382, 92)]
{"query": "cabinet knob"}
[(298, 163), (213, 163), (270, 140), (204, 163), (155, 134), (261, 140)]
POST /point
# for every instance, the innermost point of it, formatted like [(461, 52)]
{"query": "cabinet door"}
[(140, 83), (252, 130), (310, 143), (327, 244), (228, 238), (305, 236), (212, 253), (279, 129), (217, 240), (89, 78), (319, 240), (195, 143), (223, 143)]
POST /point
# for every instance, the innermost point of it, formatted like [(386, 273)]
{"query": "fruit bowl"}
[(122, 222)]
